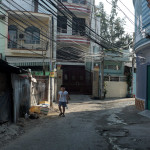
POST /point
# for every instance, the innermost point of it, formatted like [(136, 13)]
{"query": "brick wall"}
[(140, 104)]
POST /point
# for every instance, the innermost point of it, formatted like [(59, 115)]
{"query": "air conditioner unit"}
[(2, 17), (21, 36)]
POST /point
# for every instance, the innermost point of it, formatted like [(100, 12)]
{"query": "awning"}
[(7, 68), (27, 61)]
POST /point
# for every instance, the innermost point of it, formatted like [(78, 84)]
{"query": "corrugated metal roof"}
[(27, 61), (7, 68)]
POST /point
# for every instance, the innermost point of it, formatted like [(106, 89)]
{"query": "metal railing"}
[(70, 32), (32, 45), (83, 2), (117, 79)]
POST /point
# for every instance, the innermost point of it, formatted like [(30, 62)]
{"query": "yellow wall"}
[(116, 89), (21, 28)]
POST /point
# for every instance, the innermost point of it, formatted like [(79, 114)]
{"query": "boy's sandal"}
[(63, 115), (60, 114)]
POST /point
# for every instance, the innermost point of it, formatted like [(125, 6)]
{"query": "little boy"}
[(62, 100)]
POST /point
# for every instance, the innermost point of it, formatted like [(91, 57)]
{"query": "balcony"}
[(72, 37), (77, 6), (21, 45), (27, 37)]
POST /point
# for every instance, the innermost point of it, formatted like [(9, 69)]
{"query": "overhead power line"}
[(89, 32)]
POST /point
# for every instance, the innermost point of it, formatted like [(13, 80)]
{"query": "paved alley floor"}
[(89, 125)]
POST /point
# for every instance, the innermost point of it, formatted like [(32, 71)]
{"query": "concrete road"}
[(88, 125)]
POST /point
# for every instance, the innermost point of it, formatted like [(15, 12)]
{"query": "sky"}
[(129, 27)]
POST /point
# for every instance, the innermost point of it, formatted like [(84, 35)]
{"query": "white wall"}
[(21, 3), (116, 89)]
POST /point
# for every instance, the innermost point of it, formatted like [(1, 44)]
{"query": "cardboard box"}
[(45, 103), (35, 109)]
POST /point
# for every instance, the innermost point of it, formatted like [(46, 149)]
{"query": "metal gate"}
[(77, 80)]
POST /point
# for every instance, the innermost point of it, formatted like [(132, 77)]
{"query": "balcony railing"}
[(117, 79), (79, 6), (21, 45), (83, 2), (70, 32)]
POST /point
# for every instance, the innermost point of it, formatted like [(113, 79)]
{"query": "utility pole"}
[(133, 63), (43, 63), (51, 63), (102, 76), (51, 101)]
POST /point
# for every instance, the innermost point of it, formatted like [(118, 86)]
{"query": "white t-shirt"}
[(63, 96)]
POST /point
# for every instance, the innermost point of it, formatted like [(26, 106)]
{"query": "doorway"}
[(77, 80)]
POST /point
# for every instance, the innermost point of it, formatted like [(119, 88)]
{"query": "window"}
[(78, 26), (12, 36), (36, 5), (62, 24), (112, 67), (105, 67), (118, 67), (32, 35), (79, 1), (95, 49)]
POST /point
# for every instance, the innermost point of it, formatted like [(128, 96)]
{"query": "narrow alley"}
[(88, 125)]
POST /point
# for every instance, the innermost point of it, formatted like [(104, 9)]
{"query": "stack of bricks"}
[(139, 104)]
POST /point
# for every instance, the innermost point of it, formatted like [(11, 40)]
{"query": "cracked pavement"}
[(89, 125)]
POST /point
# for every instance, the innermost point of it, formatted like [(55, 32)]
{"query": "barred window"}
[(32, 35)]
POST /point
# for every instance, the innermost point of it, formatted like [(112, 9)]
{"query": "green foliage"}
[(112, 27)]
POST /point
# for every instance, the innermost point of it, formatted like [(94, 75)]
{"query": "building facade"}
[(73, 46), (141, 47), (30, 35), (3, 31)]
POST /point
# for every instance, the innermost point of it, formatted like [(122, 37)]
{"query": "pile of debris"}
[(9, 132), (43, 108)]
